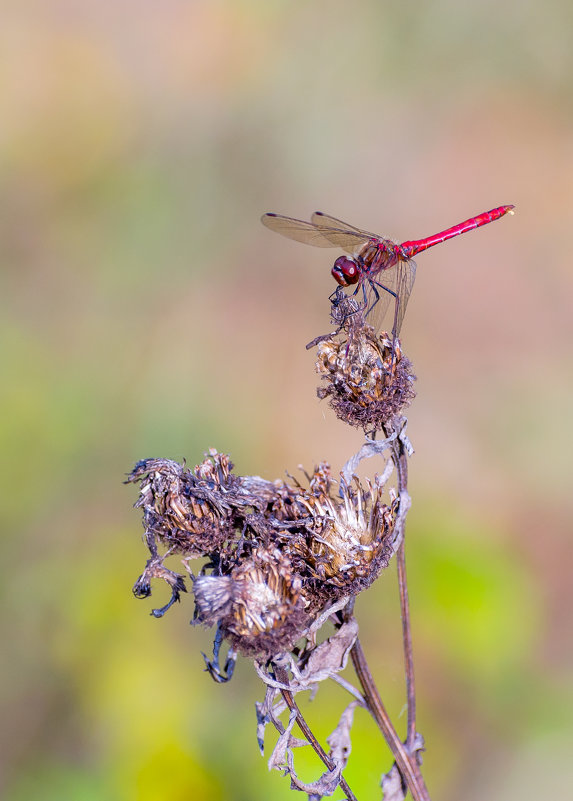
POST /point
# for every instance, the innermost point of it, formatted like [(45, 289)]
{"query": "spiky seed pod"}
[(186, 510), (278, 552), (258, 606), (352, 538), (367, 378)]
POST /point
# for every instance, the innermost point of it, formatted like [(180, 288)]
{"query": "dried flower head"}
[(367, 377), (278, 553), (187, 511), (355, 540), (258, 606)]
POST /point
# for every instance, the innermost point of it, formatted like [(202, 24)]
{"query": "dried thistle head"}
[(351, 540), (278, 552), (366, 376), (186, 510), (258, 606)]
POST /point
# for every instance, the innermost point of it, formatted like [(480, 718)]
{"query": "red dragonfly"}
[(383, 269)]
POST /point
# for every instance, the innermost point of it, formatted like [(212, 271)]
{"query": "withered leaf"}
[(330, 656), (339, 741), (281, 757), (392, 785)]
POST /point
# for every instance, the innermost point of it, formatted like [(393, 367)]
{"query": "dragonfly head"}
[(345, 271)]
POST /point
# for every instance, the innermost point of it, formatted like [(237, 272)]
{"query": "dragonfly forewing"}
[(317, 234), (322, 220)]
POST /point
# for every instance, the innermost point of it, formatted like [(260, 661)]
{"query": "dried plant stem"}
[(400, 459), (282, 676), (404, 753), (404, 756), (407, 645)]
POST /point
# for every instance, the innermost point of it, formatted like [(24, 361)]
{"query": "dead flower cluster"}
[(277, 552), (279, 559)]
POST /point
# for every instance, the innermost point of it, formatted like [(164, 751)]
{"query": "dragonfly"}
[(383, 270)]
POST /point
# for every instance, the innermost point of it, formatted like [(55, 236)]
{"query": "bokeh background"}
[(146, 312)]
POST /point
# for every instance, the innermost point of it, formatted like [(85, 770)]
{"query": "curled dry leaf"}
[(278, 760), (340, 747), (339, 741), (329, 657), (392, 785)]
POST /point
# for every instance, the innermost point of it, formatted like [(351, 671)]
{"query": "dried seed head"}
[(186, 510), (352, 540), (278, 552), (367, 378), (258, 606)]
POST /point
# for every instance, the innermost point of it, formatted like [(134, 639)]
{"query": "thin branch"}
[(405, 756), (407, 645), (400, 449), (282, 676)]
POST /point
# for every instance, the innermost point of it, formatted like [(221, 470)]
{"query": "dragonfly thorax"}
[(378, 256)]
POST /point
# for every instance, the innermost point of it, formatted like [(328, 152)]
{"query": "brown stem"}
[(282, 676), (403, 754), (400, 459), (407, 645)]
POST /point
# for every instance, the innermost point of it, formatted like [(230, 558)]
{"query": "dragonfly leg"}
[(342, 307), (375, 284)]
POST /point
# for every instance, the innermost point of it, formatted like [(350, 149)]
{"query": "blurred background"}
[(146, 312)]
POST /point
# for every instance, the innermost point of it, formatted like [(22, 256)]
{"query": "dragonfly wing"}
[(387, 296), (342, 234), (311, 233), (323, 220), (406, 271)]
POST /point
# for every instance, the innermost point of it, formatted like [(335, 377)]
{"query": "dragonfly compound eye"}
[(345, 271)]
